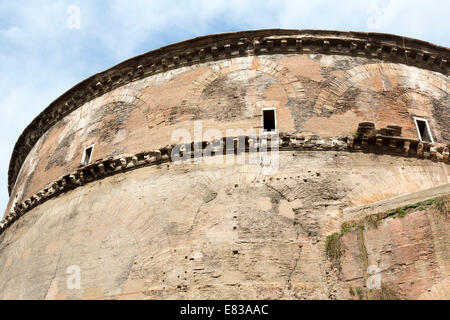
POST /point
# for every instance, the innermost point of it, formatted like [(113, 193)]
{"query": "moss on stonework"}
[(402, 211), (360, 293), (335, 248), (375, 219), (351, 291), (386, 292), (443, 205)]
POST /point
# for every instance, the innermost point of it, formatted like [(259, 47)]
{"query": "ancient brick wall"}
[(409, 246), (224, 230), (314, 94), (199, 231)]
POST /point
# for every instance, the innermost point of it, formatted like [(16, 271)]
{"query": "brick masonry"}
[(322, 95), (225, 231), (198, 231)]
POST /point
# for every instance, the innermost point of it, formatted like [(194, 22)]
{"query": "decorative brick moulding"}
[(382, 47), (367, 139)]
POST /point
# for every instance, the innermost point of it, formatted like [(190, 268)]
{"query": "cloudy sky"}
[(46, 47)]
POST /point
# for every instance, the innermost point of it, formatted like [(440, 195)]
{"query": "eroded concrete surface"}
[(205, 231), (217, 231), (326, 95), (411, 253)]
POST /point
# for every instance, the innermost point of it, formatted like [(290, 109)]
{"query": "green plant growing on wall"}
[(359, 291), (401, 212), (334, 245), (351, 291), (335, 249)]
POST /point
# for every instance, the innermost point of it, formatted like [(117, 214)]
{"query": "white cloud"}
[(375, 16)]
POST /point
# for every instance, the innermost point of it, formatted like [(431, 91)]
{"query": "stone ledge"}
[(360, 212), (383, 47), (362, 142)]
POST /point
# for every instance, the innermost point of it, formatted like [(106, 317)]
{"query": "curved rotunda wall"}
[(202, 231), (314, 94), (141, 226)]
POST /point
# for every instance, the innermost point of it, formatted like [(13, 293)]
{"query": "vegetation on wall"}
[(335, 247)]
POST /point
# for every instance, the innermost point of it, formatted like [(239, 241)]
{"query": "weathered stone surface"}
[(411, 252), (142, 115), (140, 226), (205, 231)]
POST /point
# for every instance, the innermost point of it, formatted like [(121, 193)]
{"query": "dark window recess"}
[(269, 120), (423, 131), (87, 155)]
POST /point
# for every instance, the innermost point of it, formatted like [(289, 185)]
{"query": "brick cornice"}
[(384, 47)]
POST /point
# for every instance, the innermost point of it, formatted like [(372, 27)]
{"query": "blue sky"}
[(42, 55)]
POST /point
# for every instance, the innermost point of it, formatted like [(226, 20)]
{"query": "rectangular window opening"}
[(423, 130), (269, 120), (87, 156)]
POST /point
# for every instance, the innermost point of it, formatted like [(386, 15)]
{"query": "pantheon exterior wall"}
[(140, 226)]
